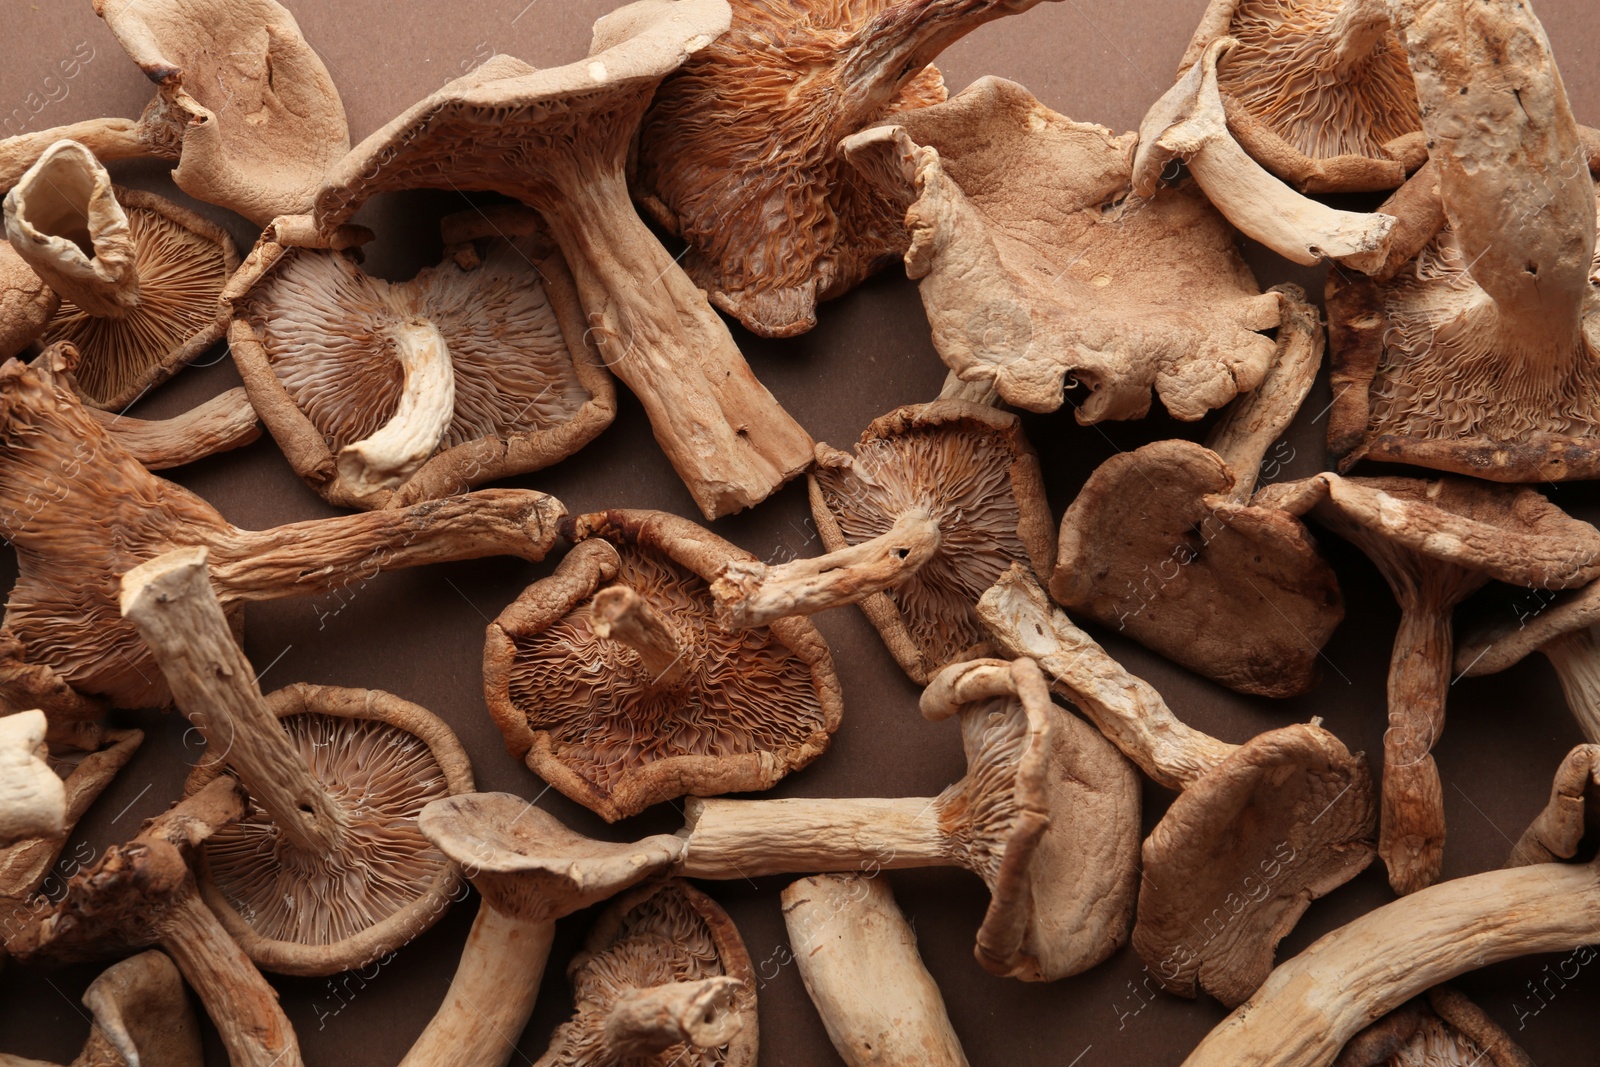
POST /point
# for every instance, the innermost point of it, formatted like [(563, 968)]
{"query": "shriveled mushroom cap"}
[(27, 304), (142, 1014), (971, 468), (588, 715), (529, 866), (1498, 647)]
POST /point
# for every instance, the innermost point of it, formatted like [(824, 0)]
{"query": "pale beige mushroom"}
[(33, 801), (858, 958)]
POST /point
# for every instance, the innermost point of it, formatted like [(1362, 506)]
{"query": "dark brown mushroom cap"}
[(750, 707), (381, 760), (27, 304), (651, 936), (1240, 594), (1241, 854), (972, 469), (530, 867), (313, 344)]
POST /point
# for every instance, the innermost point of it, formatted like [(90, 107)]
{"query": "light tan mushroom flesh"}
[(33, 802)]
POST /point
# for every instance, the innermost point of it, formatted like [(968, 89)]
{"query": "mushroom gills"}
[(385, 459)]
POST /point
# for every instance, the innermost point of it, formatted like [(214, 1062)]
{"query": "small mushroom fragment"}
[(1259, 831), (663, 978), (936, 501), (1190, 124), (1443, 1030), (611, 680), (143, 893), (327, 870), (1163, 544), (1047, 816), (383, 394), (27, 304), (139, 277), (1480, 357), (858, 958), (80, 511), (1436, 543), (1558, 829), (33, 801), (558, 141), (531, 871), (1038, 273), (739, 154), (1564, 630), (1318, 91)]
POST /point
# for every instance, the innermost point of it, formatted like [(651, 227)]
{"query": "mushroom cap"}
[(750, 707), (505, 127), (1495, 648), (1443, 1030), (656, 934), (1240, 594), (530, 867), (972, 469), (313, 342), (142, 1011), (1241, 854), (27, 304)]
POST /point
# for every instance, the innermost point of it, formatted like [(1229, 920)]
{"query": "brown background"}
[(419, 633)]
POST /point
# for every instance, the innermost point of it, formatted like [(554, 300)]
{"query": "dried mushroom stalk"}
[(858, 958), (80, 511), (223, 423), (1038, 273), (558, 141), (32, 799), (1259, 832)]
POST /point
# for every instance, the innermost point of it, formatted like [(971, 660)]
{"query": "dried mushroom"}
[(1259, 831), (739, 153), (1318, 91), (936, 501), (33, 802), (1558, 830), (143, 893), (663, 978), (1480, 356), (27, 304), (139, 277), (387, 393), (531, 871), (1038, 274), (1436, 543), (81, 510), (858, 958), (558, 140), (1163, 544), (327, 870), (612, 681), (1047, 816), (1443, 1030)]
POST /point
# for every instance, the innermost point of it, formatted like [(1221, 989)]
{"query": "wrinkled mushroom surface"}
[(1445, 1029), (27, 304), (33, 802)]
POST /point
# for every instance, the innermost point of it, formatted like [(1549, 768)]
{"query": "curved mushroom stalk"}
[(621, 614), (33, 801), (858, 958), (531, 871), (1189, 124), (651, 1021), (388, 457), (221, 424), (1259, 831), (156, 134), (1047, 815)]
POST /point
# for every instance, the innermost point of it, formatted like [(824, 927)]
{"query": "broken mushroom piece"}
[(1558, 829), (387, 393), (936, 501), (531, 871), (739, 153), (1480, 356), (1163, 544), (1047, 816), (1444, 1029), (663, 977), (143, 893), (1038, 274), (1317, 91), (1259, 831), (139, 277), (558, 140), (858, 958), (613, 683), (33, 801), (1436, 543), (327, 871), (81, 511)]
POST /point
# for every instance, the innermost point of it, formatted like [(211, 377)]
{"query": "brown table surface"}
[(419, 633)]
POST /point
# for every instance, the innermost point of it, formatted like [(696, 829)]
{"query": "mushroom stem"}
[(64, 220), (32, 799), (984, 391), (1353, 34), (1411, 830), (491, 996), (1312, 1005), (221, 424), (1127, 709), (644, 1022), (621, 614), (750, 593), (750, 838), (1576, 658), (108, 139), (171, 602), (427, 405)]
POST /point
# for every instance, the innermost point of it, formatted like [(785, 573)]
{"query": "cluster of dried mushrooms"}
[(796, 147)]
